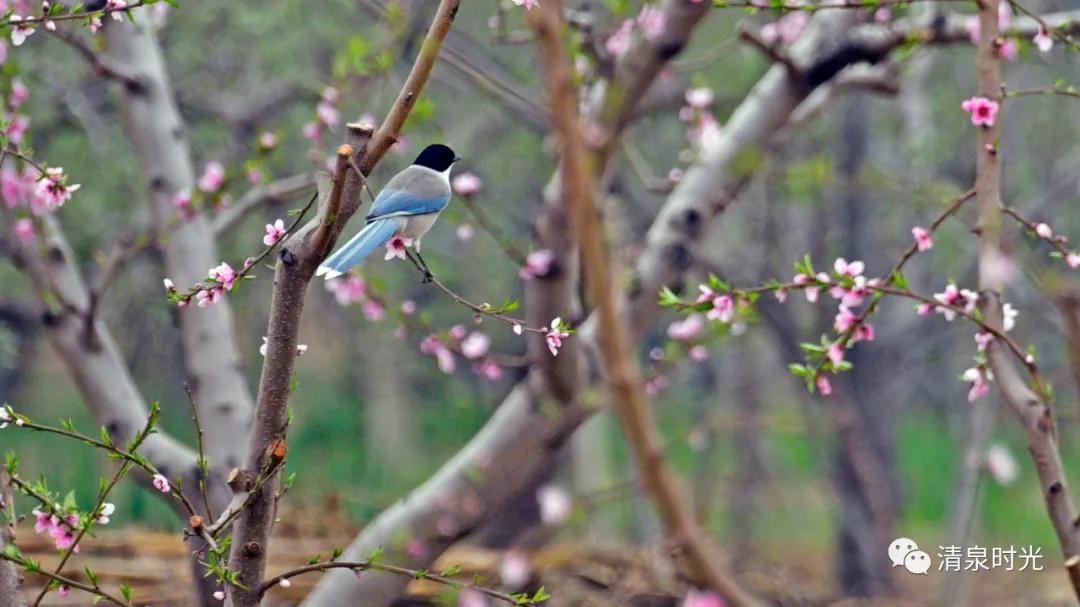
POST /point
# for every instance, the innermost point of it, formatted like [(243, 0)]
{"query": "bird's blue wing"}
[(390, 203)]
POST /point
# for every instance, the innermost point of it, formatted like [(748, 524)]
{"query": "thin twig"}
[(73, 16), (500, 239), (204, 466), (369, 565), (66, 581), (243, 273), (485, 309)]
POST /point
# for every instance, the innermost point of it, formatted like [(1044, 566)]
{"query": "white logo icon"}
[(917, 562), (904, 552)]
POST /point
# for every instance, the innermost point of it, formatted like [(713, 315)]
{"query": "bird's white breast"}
[(418, 225)]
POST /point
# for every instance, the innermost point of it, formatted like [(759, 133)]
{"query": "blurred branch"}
[(1068, 302), (10, 580), (102, 65), (99, 370), (616, 354), (300, 256), (275, 192)]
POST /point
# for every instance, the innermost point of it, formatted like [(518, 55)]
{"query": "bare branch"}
[(282, 190)]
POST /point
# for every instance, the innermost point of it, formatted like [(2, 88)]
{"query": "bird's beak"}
[(457, 158)]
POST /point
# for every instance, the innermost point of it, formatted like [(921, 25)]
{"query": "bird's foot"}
[(428, 277)]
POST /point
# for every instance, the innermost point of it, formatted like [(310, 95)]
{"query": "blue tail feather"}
[(373, 236)]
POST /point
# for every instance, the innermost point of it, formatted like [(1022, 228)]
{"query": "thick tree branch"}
[(300, 256), (96, 364)]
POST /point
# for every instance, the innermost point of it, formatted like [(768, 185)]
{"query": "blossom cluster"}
[(352, 289), (474, 346)]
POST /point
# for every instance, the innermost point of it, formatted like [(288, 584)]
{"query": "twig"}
[(369, 565), (1045, 91), (95, 590), (814, 6), (73, 16), (204, 467), (642, 170), (500, 239), (388, 131), (102, 495), (137, 460), (485, 309), (322, 240), (772, 51), (277, 191), (243, 273), (103, 66)]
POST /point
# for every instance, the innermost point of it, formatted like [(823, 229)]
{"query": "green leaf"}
[(451, 572), (899, 280), (798, 370), (125, 590), (668, 298), (718, 285)]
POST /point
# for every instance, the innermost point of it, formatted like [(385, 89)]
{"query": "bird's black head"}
[(437, 157)]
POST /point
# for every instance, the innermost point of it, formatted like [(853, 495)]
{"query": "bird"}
[(407, 207)]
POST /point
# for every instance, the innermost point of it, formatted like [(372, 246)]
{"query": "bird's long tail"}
[(373, 236)]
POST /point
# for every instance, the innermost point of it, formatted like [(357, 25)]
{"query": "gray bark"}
[(159, 139)]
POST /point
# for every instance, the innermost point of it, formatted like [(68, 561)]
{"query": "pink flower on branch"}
[(823, 385), (923, 239), (395, 247), (274, 232), (213, 177), (23, 230), (52, 191), (978, 379), (467, 184), (954, 297), (555, 335), (1043, 41), (115, 7), (161, 483), (528, 4), (19, 31), (475, 345), (983, 111), (225, 275), (687, 329), (537, 264)]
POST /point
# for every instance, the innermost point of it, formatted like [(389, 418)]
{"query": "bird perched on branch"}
[(402, 213)]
